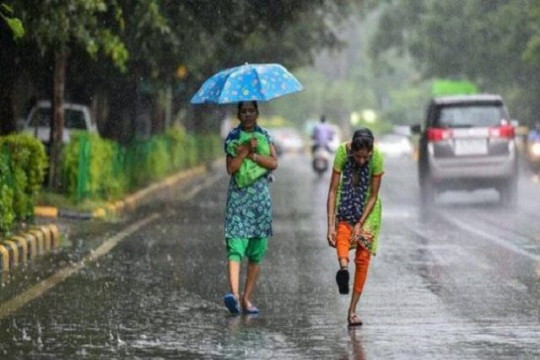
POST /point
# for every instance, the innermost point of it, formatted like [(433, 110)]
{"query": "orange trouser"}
[(343, 243)]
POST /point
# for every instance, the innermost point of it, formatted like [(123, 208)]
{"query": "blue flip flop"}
[(251, 310), (231, 303)]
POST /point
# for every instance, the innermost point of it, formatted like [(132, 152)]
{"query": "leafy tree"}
[(56, 28), (14, 23), (493, 43), (203, 37), (11, 31)]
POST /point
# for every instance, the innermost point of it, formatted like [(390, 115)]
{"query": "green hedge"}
[(88, 168), (22, 170), (98, 169)]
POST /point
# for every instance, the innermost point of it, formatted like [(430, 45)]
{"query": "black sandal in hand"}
[(342, 279)]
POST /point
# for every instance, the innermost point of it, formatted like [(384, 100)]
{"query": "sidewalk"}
[(52, 223)]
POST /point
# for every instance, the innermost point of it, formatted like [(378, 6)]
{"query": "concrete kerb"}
[(129, 203), (132, 201), (17, 250)]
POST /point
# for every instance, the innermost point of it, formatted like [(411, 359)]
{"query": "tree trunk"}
[(57, 120), (7, 79), (7, 117), (158, 114)]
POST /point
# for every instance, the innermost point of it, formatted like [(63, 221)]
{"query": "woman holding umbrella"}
[(248, 220), (251, 156)]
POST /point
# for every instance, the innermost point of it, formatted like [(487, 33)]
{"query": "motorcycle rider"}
[(533, 148), (322, 135), (534, 133)]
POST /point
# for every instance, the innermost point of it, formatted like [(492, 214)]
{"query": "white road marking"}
[(41, 288), (207, 182), (499, 241)]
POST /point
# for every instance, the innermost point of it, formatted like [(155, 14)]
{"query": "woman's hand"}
[(253, 143), (356, 233), (243, 149), (331, 237)]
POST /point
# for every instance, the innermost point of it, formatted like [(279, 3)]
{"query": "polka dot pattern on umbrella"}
[(260, 82)]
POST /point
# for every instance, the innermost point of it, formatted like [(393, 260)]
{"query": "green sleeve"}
[(377, 162), (230, 148), (341, 158)]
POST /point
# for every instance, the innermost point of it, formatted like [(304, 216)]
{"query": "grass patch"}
[(48, 198)]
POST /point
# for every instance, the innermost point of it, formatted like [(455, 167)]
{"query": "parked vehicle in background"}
[(287, 139), (467, 142), (76, 117), (533, 148), (395, 145)]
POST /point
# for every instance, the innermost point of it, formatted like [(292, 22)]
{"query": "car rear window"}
[(477, 115), (73, 119), (42, 117)]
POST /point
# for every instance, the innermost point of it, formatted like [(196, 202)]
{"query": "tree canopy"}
[(494, 43), (15, 24), (127, 50)]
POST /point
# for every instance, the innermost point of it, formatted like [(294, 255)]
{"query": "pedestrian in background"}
[(248, 221), (353, 202)]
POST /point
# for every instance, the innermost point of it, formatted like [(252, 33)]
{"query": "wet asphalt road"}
[(458, 281)]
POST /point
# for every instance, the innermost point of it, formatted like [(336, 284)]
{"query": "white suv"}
[(467, 142), (76, 117)]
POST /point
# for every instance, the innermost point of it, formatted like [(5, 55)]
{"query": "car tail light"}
[(436, 134), (505, 131)]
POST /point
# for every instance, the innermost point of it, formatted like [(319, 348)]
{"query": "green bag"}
[(249, 171)]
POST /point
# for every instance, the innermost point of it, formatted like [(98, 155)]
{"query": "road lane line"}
[(207, 182), (41, 288), (505, 244)]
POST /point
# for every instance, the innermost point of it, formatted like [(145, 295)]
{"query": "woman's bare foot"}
[(354, 320)]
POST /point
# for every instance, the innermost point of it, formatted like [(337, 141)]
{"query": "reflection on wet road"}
[(460, 280)]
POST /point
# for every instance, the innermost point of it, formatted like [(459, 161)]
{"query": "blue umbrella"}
[(260, 82)]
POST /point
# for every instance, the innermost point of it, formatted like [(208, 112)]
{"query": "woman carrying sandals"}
[(354, 211)]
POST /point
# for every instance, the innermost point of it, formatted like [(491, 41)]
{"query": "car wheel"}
[(427, 192), (508, 192)]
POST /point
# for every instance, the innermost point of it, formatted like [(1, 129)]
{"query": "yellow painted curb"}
[(15, 252), (46, 211), (5, 258), (33, 244), (46, 237), (24, 247), (169, 181), (40, 240), (18, 249), (55, 235), (111, 209), (130, 202), (99, 213), (119, 205)]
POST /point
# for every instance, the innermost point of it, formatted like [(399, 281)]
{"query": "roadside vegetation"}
[(137, 63)]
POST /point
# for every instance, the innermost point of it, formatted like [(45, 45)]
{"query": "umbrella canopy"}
[(260, 82)]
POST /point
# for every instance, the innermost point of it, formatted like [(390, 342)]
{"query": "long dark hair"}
[(362, 139)]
